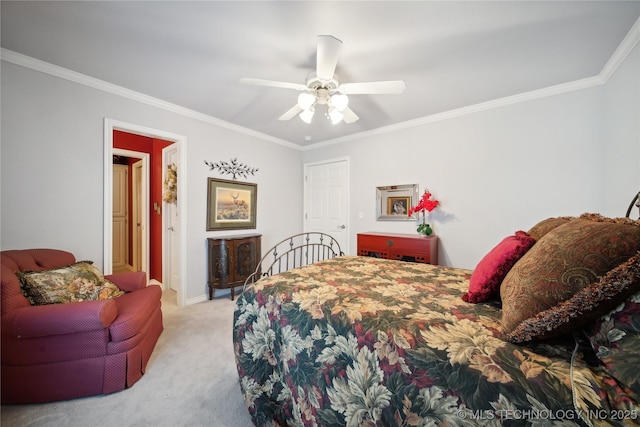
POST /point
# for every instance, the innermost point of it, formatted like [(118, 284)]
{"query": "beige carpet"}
[(191, 380)]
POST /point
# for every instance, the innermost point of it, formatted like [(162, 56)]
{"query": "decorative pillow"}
[(485, 281), (566, 259), (80, 281), (615, 338), (584, 306), (546, 225)]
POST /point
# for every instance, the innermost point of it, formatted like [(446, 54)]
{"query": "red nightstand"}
[(403, 247)]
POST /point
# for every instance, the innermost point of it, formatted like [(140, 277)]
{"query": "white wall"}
[(495, 171), (502, 170), (52, 169), (621, 138)]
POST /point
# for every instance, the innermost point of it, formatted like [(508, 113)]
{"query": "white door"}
[(120, 218), (140, 199), (326, 189), (171, 253), (137, 215)]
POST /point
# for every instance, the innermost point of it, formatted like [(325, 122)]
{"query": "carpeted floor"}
[(191, 380)]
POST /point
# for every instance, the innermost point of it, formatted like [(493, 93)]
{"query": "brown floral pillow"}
[(584, 306), (565, 260), (80, 281), (546, 225)]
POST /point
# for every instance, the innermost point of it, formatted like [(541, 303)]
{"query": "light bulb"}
[(335, 116), (306, 115), (339, 101), (306, 100)]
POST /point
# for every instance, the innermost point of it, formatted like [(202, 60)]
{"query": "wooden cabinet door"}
[(246, 258), (220, 262)]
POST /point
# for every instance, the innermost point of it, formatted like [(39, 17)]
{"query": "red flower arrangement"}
[(426, 203)]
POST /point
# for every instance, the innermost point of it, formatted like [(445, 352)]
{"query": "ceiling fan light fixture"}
[(306, 115), (339, 101), (323, 89), (306, 100), (335, 116)]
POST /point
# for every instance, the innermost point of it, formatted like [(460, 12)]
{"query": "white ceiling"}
[(451, 54)]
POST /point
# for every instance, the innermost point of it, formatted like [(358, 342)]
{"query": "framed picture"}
[(394, 201), (398, 205), (231, 205)]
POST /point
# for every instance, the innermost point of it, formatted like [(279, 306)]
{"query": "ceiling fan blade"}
[(272, 83), (349, 116), (327, 57), (291, 113), (365, 88)]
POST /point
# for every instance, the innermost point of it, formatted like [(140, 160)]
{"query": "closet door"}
[(326, 188), (120, 240)]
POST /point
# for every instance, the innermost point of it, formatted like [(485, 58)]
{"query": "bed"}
[(359, 341)]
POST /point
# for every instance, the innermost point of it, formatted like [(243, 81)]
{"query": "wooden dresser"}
[(404, 247), (231, 259)]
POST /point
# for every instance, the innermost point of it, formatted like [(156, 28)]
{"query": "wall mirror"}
[(394, 201)]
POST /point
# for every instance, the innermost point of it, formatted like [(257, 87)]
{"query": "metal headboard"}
[(295, 251), (636, 201)]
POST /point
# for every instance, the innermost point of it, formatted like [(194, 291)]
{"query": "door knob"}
[(170, 229), (342, 226)]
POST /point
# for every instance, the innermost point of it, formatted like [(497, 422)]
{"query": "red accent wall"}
[(152, 146)]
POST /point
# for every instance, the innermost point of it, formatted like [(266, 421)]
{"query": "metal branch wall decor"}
[(232, 168)]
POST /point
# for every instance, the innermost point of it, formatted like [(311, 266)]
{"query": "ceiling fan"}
[(322, 87)]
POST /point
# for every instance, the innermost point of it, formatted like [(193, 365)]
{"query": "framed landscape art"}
[(231, 205)]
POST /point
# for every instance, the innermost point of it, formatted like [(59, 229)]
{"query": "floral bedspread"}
[(358, 341)]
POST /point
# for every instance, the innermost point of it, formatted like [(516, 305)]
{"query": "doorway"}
[(180, 146), (130, 189)]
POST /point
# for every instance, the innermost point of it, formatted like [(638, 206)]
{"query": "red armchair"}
[(64, 351)]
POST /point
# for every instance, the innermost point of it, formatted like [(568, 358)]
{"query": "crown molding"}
[(82, 79), (471, 109), (617, 58), (624, 49)]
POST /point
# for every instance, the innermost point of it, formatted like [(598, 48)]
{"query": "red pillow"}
[(485, 281)]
